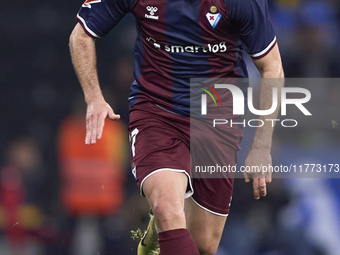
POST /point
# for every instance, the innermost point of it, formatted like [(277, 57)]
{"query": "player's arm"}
[(271, 70), (83, 55), (270, 67)]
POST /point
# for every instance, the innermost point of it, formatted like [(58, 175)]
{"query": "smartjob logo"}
[(239, 106), (208, 48), (214, 48)]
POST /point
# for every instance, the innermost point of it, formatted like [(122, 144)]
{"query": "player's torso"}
[(184, 38), (178, 40)]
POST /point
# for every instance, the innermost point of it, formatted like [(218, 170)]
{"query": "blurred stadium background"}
[(43, 210)]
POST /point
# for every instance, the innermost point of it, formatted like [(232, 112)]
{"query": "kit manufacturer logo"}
[(152, 10)]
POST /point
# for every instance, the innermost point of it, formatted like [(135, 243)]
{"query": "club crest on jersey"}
[(213, 18), (151, 10)]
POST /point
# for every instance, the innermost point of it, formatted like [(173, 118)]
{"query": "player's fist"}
[(97, 111), (257, 161)]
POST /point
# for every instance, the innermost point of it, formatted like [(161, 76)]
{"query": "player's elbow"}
[(77, 36), (72, 38), (273, 71)]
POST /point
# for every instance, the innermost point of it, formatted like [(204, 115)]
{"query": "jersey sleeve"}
[(98, 17), (252, 20)]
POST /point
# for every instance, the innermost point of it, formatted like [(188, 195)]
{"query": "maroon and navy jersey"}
[(182, 39)]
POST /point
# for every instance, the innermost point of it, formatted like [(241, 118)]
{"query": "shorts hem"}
[(206, 209), (188, 194)]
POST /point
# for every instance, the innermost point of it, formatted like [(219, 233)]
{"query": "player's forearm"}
[(271, 70), (263, 135), (83, 55), (272, 77)]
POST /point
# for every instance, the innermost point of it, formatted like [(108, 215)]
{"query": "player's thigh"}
[(205, 227), (157, 143)]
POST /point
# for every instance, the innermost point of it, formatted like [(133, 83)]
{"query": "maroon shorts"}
[(160, 140)]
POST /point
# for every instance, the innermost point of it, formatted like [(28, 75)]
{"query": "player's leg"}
[(165, 191), (207, 210), (205, 227), (160, 163)]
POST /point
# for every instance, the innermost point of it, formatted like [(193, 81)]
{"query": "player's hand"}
[(258, 157), (97, 111)]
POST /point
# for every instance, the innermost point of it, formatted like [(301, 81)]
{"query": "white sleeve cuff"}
[(87, 29), (265, 51)]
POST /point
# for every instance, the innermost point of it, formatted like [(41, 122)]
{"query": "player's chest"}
[(186, 17)]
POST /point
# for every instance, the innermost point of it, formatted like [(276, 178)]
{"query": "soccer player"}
[(178, 40)]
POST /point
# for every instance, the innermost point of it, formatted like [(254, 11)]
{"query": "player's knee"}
[(167, 211), (166, 206)]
